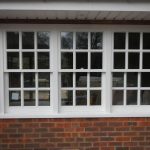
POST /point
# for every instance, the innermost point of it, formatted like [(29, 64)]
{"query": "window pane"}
[(44, 79), (131, 97), (81, 79), (14, 98), (13, 60), (14, 80), (81, 40), (28, 40), (29, 98), (81, 60), (81, 97), (66, 79), (118, 79), (28, 60), (66, 60), (119, 40), (66, 40), (145, 79), (134, 40), (44, 98), (132, 79), (43, 60), (96, 40), (145, 97), (133, 61), (96, 60), (95, 79), (12, 40), (43, 40), (117, 97), (66, 97), (146, 60), (95, 97), (29, 79), (119, 60), (146, 40)]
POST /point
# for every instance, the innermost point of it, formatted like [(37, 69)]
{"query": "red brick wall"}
[(75, 134)]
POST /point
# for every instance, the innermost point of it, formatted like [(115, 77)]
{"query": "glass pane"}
[(81, 79), (12, 40), (145, 79), (66, 60), (66, 79), (146, 39), (133, 62), (14, 80), (66, 40), (44, 98), (29, 98), (43, 40), (81, 40), (28, 60), (146, 60), (13, 60), (132, 79), (117, 97), (96, 40), (119, 60), (81, 97), (44, 79), (119, 40), (14, 98), (134, 40), (66, 97), (29, 79), (81, 60), (27, 40), (131, 97), (96, 60), (145, 97), (95, 97), (95, 79), (118, 79), (43, 60)]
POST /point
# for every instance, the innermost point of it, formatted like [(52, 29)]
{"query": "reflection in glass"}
[(13, 60), (12, 40), (81, 60), (96, 40), (146, 60), (66, 97), (145, 97), (14, 98), (96, 60), (118, 79), (27, 40), (44, 79), (66, 40), (29, 79), (119, 60), (81, 40), (28, 60), (44, 98), (66, 60), (43, 40), (95, 97), (81, 79), (14, 80), (29, 98), (132, 79), (146, 39), (119, 40), (43, 60), (131, 97), (66, 79), (134, 40), (81, 97), (95, 79), (117, 97), (133, 61), (145, 79)]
